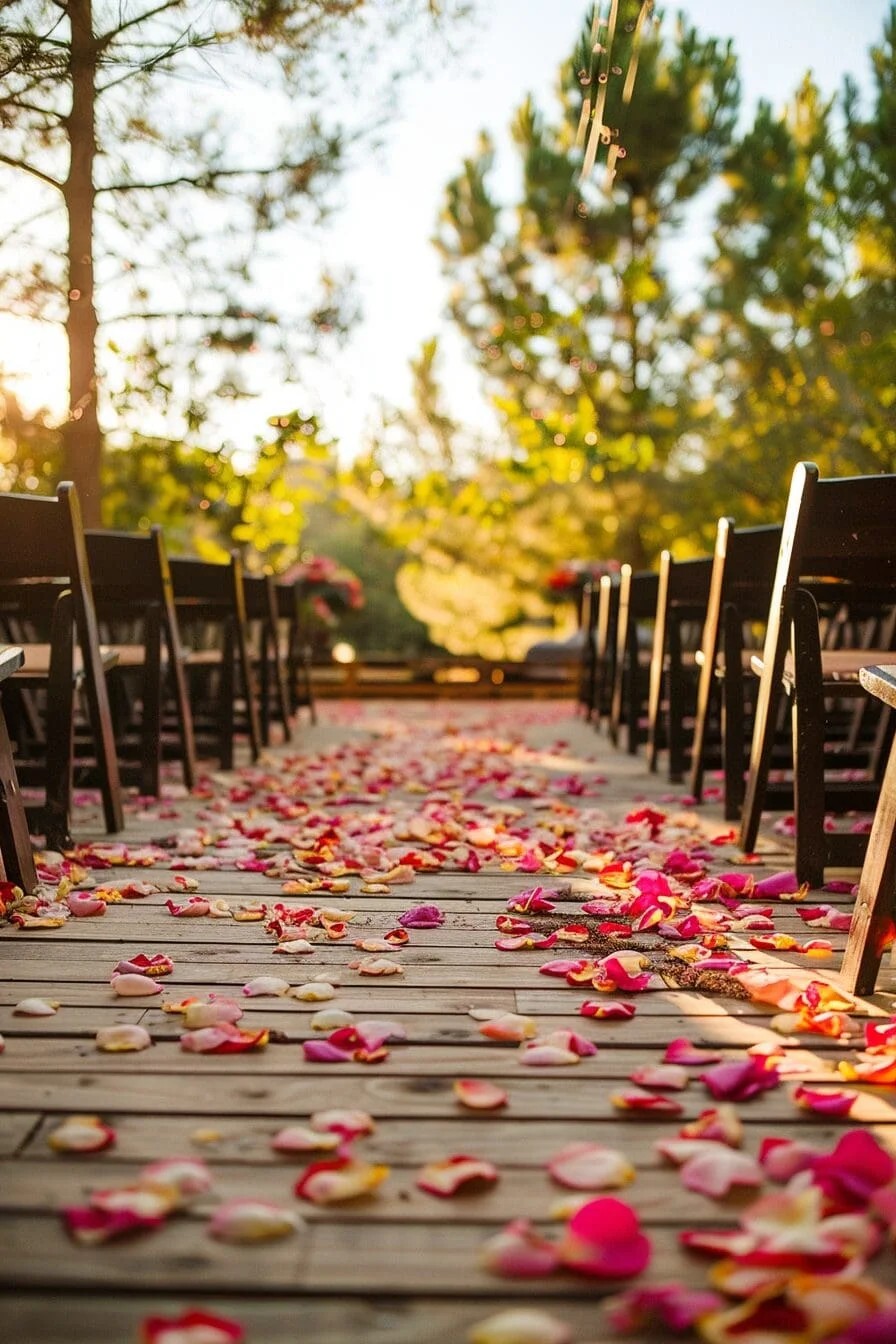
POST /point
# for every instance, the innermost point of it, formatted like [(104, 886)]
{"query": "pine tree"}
[(122, 117)]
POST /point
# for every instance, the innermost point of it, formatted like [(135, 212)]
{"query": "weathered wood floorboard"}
[(400, 1266)]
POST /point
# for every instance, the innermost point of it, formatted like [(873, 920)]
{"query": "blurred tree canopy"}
[(142, 201), (632, 413), (632, 410)]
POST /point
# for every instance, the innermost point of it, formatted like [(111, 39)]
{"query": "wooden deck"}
[(401, 1265)]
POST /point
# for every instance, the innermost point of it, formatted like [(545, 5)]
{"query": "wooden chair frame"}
[(290, 597), (212, 594), (682, 595), (273, 681), (637, 605), (875, 910), (47, 563), (132, 580), (15, 842), (744, 563), (841, 531)]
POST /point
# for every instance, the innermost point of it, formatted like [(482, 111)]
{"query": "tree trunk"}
[(82, 439)]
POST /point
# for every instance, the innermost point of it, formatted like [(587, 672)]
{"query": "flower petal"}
[(519, 1251), (243, 1221), (451, 1174), (590, 1166), (479, 1095), (193, 1327), (81, 1134), (520, 1325), (123, 1036), (604, 1239), (339, 1179)]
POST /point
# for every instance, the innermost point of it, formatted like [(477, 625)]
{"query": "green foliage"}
[(207, 506), (30, 448), (798, 340), (634, 415), (564, 299)]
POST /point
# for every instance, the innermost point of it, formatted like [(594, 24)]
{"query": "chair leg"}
[(226, 692), (808, 721), (250, 690), (281, 688), (875, 911), (183, 712), (732, 714), (60, 730), (151, 717), (675, 730), (15, 842), (96, 694)]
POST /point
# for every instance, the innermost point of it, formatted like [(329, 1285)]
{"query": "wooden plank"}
[(25, 1188), (387, 996), (499, 1137), (356, 1273), (16, 1131), (461, 1029), (327, 1257), (68, 1021), (214, 1094), (38, 1055), (377, 1318)]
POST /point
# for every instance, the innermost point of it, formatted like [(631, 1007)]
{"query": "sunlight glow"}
[(33, 364)]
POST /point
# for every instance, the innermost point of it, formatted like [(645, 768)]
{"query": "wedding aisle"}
[(377, 1041)]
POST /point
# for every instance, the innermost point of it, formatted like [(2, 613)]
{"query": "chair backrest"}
[(637, 601), (43, 537), (839, 532), (746, 559), (205, 581), (260, 593), (836, 529), (133, 569), (43, 540), (129, 566), (607, 616)]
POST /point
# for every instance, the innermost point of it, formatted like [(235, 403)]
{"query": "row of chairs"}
[(129, 656), (750, 659)]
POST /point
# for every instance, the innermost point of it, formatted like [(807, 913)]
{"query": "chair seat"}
[(37, 662), (203, 657), (839, 668)]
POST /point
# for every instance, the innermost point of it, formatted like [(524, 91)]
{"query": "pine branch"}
[(206, 181), (145, 67), (29, 168), (107, 39)]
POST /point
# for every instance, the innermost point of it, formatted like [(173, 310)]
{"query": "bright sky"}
[(391, 203)]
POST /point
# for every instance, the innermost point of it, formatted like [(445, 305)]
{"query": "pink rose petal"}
[(451, 1174), (604, 1239)]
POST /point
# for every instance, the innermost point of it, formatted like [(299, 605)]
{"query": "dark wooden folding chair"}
[(841, 533), (872, 927), (682, 597), (743, 573), (46, 589), (588, 608), (16, 855), (605, 648), (135, 607), (267, 654), (295, 645), (634, 637), (211, 610)]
